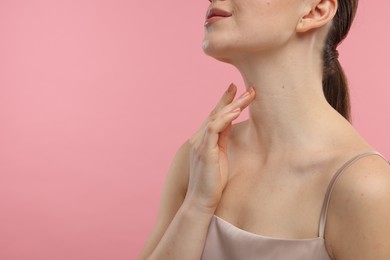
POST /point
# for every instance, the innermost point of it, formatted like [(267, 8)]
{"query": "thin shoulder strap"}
[(325, 205)]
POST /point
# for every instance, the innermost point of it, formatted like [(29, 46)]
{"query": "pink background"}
[(95, 98)]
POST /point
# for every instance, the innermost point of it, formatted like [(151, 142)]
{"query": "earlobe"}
[(319, 15), (301, 26)]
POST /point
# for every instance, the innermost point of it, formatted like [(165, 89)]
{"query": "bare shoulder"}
[(180, 167), (176, 183), (358, 224), (175, 188)]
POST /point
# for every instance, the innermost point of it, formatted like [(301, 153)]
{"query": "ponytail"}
[(335, 85), (334, 82)]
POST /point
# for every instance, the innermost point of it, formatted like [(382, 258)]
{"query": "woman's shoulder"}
[(180, 167), (359, 211), (368, 176)]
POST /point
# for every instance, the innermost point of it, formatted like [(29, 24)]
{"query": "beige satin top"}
[(228, 242)]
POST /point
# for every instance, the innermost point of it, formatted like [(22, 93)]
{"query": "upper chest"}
[(279, 201)]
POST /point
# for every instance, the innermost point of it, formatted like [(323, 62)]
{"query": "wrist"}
[(196, 207)]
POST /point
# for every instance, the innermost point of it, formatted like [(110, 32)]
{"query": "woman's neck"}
[(290, 111)]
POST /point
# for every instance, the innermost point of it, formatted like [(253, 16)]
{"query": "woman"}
[(294, 181)]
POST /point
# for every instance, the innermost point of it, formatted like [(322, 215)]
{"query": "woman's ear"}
[(321, 13)]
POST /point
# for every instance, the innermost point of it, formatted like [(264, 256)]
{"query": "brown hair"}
[(334, 82)]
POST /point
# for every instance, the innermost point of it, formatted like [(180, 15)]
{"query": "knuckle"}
[(210, 128), (213, 112), (213, 117)]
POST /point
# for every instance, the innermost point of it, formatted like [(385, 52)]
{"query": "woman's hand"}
[(208, 150), (207, 173)]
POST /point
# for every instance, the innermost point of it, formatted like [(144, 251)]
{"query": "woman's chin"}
[(217, 52)]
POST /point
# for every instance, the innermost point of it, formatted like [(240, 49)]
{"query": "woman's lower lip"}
[(214, 19)]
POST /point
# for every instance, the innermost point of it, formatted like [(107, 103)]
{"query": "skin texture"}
[(279, 162)]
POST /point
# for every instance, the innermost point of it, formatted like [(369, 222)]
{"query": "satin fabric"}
[(225, 241)]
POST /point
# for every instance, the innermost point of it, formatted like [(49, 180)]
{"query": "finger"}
[(224, 118), (216, 126), (226, 98), (242, 102), (223, 138), (223, 135)]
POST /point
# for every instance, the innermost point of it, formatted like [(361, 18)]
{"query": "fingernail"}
[(230, 89)]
